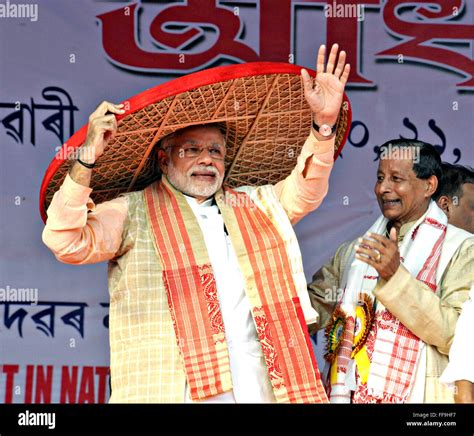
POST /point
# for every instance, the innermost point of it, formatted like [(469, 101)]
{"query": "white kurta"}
[(248, 369), (461, 354)]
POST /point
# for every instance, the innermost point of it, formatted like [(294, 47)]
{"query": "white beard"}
[(194, 188)]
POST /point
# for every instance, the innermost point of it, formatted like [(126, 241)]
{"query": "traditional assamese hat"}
[(260, 106)]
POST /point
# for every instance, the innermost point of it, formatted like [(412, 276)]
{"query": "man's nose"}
[(385, 186), (204, 157)]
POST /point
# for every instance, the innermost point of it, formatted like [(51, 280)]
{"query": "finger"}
[(375, 245), (345, 74), (108, 118), (379, 238), (108, 124), (113, 130), (393, 235), (104, 120), (332, 58), (114, 125), (115, 110), (369, 252), (321, 58), (110, 129), (307, 81), (340, 64), (369, 262), (105, 107)]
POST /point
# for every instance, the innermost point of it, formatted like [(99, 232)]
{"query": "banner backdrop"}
[(412, 77)]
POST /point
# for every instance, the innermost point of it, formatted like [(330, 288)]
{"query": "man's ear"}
[(444, 203), (431, 185), (163, 160)]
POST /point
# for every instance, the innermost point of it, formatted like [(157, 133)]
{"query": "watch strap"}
[(316, 127)]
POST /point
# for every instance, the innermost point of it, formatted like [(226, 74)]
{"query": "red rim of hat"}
[(182, 85)]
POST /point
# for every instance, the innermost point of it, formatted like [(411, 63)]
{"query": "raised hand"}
[(324, 93), (102, 127)]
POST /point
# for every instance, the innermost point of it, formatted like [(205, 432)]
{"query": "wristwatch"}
[(325, 129)]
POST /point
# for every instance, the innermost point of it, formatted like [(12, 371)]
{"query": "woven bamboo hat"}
[(261, 106)]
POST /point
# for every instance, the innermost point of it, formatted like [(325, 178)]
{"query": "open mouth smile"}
[(390, 203)]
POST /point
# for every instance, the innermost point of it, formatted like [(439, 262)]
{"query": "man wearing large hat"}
[(190, 190)]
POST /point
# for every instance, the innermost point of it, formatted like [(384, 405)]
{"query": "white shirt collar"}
[(194, 203)]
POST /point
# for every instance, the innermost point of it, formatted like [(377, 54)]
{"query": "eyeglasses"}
[(216, 152)]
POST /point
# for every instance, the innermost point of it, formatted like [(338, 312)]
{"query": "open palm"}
[(324, 94)]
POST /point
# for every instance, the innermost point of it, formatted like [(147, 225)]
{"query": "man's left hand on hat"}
[(102, 126)]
